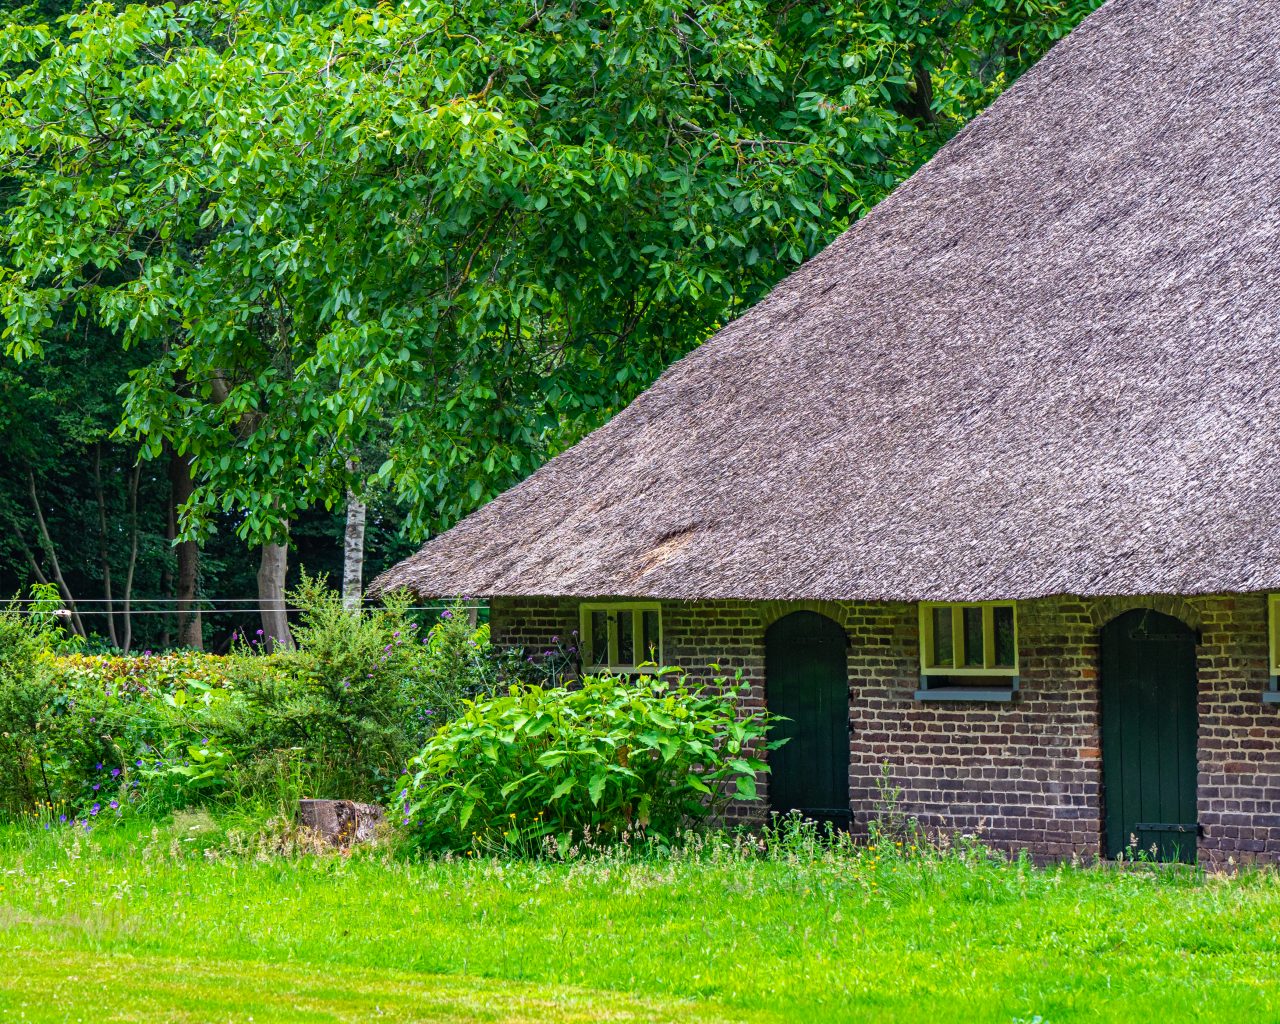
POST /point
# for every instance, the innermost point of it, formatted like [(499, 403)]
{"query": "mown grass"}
[(126, 925)]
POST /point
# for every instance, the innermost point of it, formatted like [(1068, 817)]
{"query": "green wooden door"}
[(807, 680), (1149, 735)]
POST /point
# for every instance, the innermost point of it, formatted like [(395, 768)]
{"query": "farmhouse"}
[(989, 491)]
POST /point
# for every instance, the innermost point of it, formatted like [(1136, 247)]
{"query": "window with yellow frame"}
[(620, 636), (963, 643)]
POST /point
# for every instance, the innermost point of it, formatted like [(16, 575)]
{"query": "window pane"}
[(599, 653), (972, 637), (943, 649), (650, 651), (1003, 622), (626, 638)]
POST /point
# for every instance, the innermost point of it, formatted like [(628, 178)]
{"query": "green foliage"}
[(26, 692), (363, 691), (446, 238), (341, 716), (459, 664), (540, 767)]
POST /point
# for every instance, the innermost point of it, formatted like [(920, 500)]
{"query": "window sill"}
[(1271, 696), (967, 693)]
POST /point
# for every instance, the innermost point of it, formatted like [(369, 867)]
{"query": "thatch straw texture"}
[(1048, 363)]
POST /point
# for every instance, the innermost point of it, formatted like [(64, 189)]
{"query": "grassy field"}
[(179, 925)]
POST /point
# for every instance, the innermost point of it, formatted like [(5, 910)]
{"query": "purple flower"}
[(446, 614), (115, 773), (114, 805), (204, 743), (96, 787), (62, 818), (259, 632), (555, 639), (97, 767), (95, 808)]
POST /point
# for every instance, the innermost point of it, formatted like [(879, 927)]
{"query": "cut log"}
[(341, 822)]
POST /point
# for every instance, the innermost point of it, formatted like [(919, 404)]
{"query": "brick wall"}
[(1026, 774)]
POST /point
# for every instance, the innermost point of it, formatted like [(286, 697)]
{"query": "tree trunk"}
[(134, 479), (353, 554), (190, 631), (104, 552), (46, 545), (272, 572)]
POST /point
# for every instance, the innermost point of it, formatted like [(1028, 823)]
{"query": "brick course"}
[(1026, 774)]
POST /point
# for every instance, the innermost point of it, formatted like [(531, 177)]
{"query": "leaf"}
[(746, 788), (564, 788)]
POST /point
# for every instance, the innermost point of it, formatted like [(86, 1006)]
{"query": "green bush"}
[(26, 690), (86, 736), (364, 691), (539, 767)]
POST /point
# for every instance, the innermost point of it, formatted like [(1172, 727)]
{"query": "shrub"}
[(365, 690), (26, 692), (346, 695), (538, 767), (459, 665)]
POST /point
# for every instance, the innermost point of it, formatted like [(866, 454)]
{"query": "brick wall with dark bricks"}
[(1022, 775)]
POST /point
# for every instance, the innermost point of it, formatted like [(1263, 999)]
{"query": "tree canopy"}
[(419, 247)]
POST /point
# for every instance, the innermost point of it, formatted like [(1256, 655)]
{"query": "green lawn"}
[(123, 926)]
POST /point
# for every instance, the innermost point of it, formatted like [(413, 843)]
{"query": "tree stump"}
[(341, 822)]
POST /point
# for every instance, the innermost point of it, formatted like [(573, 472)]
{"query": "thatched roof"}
[(1047, 363)]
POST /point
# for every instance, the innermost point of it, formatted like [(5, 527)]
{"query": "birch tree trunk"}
[(273, 571), (353, 554)]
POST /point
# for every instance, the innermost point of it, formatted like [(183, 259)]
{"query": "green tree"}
[(456, 235)]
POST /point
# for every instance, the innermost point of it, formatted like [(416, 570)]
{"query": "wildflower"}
[(97, 767), (96, 787), (446, 614), (115, 773), (114, 805), (95, 808)]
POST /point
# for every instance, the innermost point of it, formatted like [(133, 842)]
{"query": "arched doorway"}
[(807, 681), (1149, 723)]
